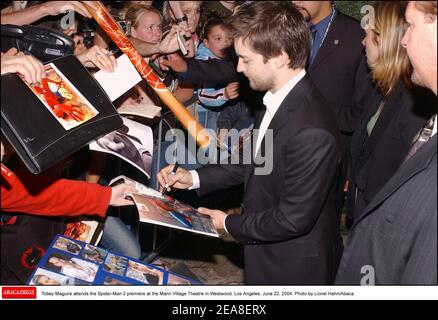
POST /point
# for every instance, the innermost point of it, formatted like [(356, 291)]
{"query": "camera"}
[(44, 44), (87, 29)]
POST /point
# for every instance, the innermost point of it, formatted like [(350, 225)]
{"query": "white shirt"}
[(272, 101)]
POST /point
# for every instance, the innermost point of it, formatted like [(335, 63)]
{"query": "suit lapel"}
[(330, 44), (413, 166), (280, 119), (277, 123), (257, 122)]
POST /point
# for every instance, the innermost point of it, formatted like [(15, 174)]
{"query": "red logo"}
[(19, 293)]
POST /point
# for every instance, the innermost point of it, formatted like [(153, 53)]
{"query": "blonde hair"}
[(133, 12), (168, 17), (392, 64)]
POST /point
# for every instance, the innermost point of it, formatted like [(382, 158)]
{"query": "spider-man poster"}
[(62, 99)]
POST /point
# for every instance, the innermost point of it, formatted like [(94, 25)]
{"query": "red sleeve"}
[(43, 195)]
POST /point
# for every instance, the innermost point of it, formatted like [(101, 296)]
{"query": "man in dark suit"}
[(337, 66), (288, 225), (394, 241)]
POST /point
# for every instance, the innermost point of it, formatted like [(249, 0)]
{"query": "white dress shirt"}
[(272, 101)]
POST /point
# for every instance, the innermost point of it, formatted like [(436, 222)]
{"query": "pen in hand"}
[(171, 174)]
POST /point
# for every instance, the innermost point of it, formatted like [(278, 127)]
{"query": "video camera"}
[(44, 44)]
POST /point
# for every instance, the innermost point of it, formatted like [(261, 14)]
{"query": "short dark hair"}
[(213, 20), (272, 27)]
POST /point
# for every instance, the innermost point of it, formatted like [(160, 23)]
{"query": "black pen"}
[(172, 173)]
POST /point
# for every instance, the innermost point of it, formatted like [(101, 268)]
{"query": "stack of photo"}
[(68, 262)]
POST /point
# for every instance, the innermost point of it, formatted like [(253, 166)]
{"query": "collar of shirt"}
[(321, 26), (272, 101)]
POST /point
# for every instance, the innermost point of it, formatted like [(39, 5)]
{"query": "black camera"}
[(87, 29), (44, 44)]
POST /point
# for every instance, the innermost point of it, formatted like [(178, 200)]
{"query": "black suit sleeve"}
[(220, 176), (210, 72), (311, 162)]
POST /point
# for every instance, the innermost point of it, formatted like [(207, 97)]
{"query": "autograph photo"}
[(61, 98)]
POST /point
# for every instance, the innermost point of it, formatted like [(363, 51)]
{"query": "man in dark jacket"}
[(289, 226)]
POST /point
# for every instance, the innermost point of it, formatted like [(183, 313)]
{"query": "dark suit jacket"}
[(397, 232), (289, 226), (375, 159), (210, 72), (339, 70)]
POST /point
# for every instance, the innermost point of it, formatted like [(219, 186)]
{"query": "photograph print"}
[(61, 98), (133, 142), (172, 213), (71, 266), (115, 264), (144, 274), (94, 254), (67, 245), (43, 277)]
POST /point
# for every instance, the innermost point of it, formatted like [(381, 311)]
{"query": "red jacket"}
[(48, 196)]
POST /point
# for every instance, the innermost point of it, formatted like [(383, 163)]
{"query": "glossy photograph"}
[(61, 98)]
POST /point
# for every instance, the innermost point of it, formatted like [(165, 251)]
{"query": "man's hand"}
[(175, 62), (181, 179), (217, 216), (118, 195), (232, 91), (28, 66)]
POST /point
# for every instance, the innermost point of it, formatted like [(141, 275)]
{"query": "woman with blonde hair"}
[(385, 132), (191, 14)]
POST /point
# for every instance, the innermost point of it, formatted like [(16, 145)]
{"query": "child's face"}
[(192, 9), (149, 28), (218, 41)]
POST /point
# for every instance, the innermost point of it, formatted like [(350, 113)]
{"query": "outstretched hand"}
[(175, 62), (98, 57), (232, 91), (27, 65), (118, 195)]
